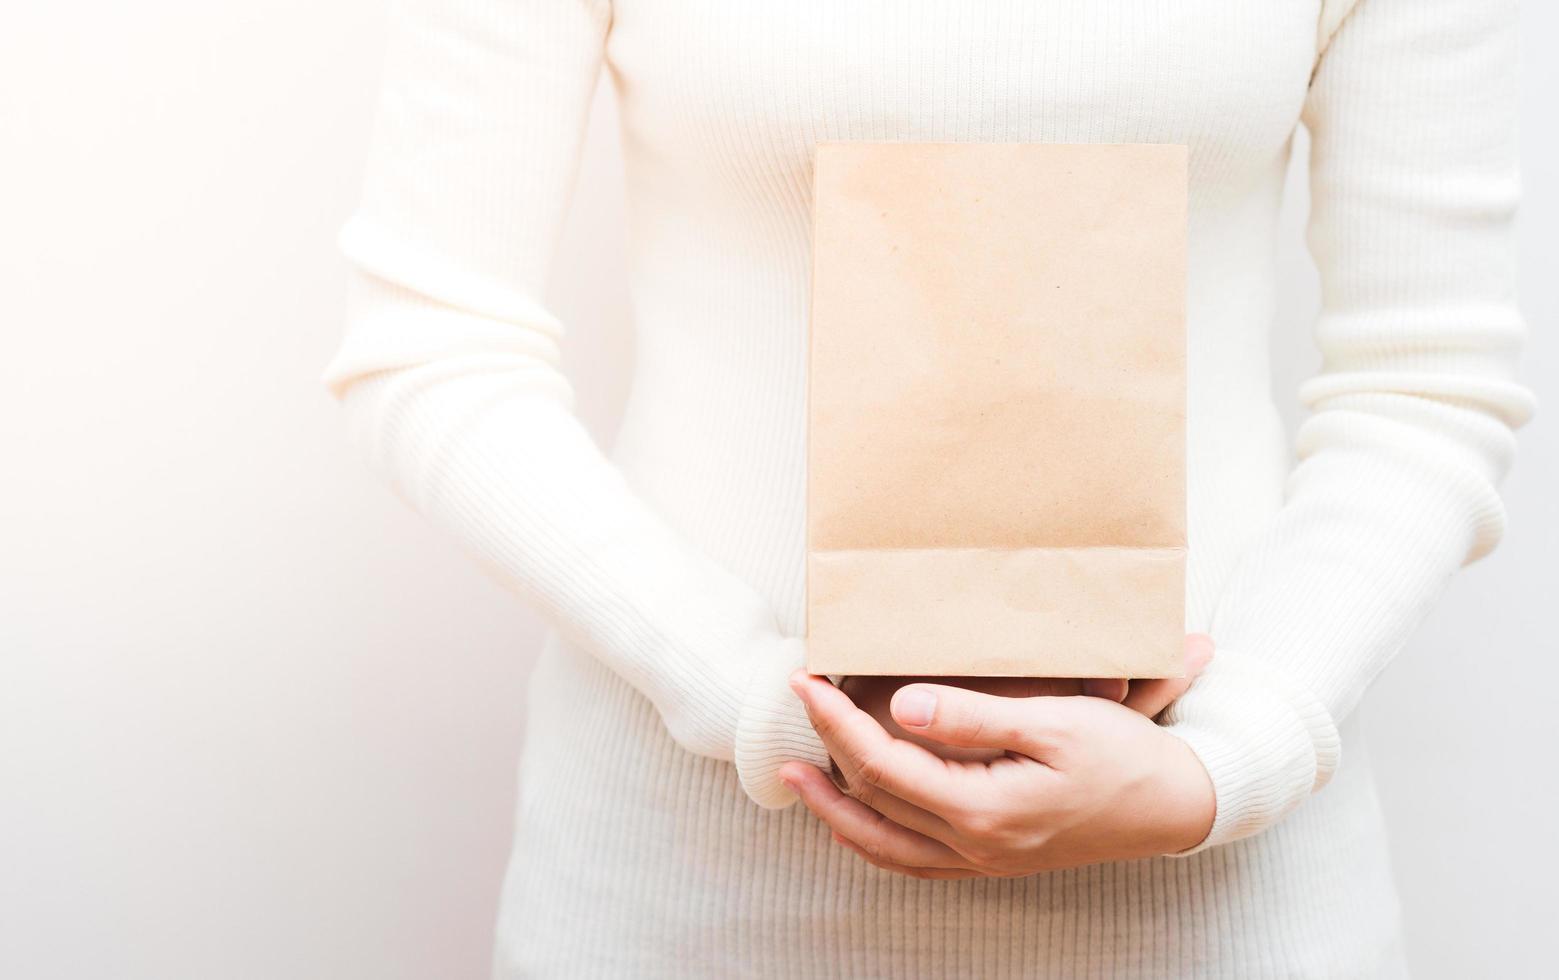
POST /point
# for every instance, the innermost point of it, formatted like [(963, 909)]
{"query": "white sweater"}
[(673, 568)]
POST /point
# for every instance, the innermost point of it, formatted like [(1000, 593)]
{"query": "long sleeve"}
[(1414, 183), (449, 375)]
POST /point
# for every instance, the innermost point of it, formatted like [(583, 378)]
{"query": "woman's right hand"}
[(1149, 697)]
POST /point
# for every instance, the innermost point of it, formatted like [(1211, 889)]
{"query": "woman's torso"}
[(721, 105)]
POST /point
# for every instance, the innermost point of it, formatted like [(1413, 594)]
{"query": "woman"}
[(1099, 843)]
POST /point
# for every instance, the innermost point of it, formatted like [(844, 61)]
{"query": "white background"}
[(257, 720)]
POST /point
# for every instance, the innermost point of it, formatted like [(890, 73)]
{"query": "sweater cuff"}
[(773, 728), (1266, 742)]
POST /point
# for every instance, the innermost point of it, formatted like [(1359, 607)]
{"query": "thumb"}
[(971, 719)]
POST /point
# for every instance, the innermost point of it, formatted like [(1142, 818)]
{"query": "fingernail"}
[(913, 707), (798, 682)]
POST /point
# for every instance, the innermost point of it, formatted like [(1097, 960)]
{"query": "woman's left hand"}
[(1084, 780)]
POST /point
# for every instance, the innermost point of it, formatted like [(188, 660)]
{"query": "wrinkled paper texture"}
[(996, 410)]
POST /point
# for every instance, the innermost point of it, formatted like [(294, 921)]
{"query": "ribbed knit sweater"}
[(653, 838)]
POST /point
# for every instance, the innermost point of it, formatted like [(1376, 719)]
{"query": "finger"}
[(936, 873), (878, 836), (956, 716), (855, 739), (1008, 687), (1109, 688), (900, 811), (1149, 697)]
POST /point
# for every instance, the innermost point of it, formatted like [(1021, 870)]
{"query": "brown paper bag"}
[(996, 410)]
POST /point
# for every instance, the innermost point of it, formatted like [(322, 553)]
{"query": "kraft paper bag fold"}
[(996, 410)]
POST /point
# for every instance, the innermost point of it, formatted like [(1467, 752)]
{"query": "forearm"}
[(1413, 172), (486, 446)]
